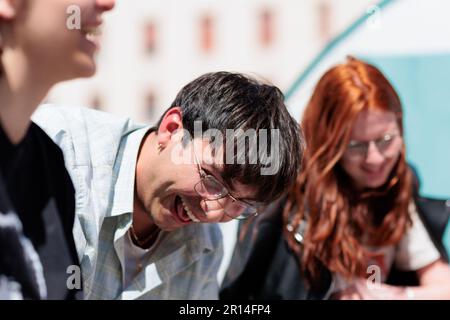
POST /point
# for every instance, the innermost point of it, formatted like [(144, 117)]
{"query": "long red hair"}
[(338, 218)]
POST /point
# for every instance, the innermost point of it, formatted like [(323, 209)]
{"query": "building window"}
[(150, 37), (266, 27), (206, 33), (96, 101), (324, 13), (150, 105)]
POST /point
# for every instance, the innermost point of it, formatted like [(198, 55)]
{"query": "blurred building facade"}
[(151, 48)]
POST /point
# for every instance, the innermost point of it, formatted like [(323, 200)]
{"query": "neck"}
[(141, 220), (22, 88), (143, 224)]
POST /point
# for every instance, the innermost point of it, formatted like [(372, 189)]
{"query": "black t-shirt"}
[(41, 192)]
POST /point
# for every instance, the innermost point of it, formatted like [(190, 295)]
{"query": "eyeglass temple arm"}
[(197, 162)]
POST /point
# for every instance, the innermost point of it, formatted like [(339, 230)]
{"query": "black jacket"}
[(37, 189)]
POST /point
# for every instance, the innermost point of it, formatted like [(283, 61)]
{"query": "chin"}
[(374, 184), (86, 71), (79, 72), (84, 66)]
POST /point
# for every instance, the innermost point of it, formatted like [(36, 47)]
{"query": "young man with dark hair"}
[(147, 199)]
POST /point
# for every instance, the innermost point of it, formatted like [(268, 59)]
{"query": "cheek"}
[(47, 24), (51, 43), (182, 183), (390, 164), (184, 177)]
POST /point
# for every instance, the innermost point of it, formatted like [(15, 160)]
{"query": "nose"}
[(105, 5), (374, 156), (213, 210)]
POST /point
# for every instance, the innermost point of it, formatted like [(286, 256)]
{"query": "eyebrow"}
[(216, 168), (210, 168)]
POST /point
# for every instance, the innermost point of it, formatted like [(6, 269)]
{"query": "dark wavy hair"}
[(225, 100), (337, 216)]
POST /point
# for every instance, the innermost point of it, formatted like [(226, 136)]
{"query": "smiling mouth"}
[(183, 212), (374, 172)]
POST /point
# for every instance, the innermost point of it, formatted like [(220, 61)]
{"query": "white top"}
[(414, 251), (135, 257)]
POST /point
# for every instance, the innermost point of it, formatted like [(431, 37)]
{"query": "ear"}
[(9, 9), (171, 126)]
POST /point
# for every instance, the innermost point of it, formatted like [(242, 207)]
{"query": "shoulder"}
[(434, 214), (46, 146), (416, 249), (48, 158), (53, 119), (84, 134)]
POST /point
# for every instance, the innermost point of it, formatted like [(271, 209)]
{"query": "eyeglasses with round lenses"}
[(211, 189), (385, 145)]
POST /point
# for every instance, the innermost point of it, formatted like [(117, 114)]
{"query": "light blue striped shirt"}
[(100, 152)]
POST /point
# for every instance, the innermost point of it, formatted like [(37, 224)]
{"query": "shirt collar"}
[(125, 169)]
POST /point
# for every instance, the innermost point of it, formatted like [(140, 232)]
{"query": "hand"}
[(350, 293), (362, 290)]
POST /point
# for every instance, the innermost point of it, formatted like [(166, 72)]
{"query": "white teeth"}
[(90, 36), (190, 215), (92, 33), (188, 211)]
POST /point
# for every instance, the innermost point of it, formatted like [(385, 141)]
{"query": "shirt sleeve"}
[(416, 249)]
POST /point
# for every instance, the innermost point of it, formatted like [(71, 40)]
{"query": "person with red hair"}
[(352, 216)]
